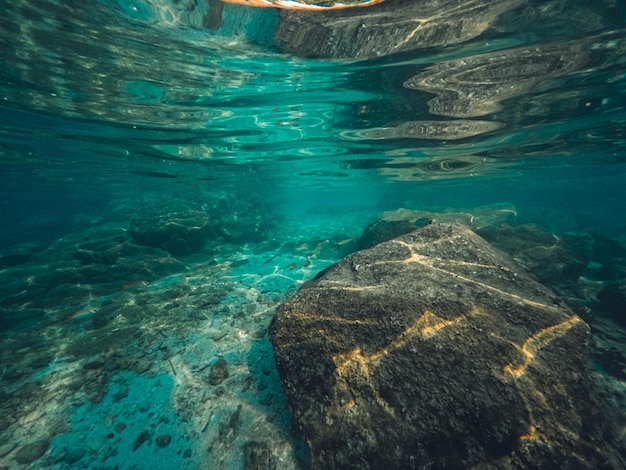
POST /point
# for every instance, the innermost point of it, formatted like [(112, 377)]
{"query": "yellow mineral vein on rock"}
[(353, 364), (538, 341), (426, 326), (428, 261)]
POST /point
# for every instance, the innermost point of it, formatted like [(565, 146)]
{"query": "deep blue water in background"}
[(111, 105)]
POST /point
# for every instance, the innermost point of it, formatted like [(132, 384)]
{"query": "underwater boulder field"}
[(292, 234)]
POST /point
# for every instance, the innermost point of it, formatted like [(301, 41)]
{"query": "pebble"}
[(219, 371), (141, 438), (163, 440)]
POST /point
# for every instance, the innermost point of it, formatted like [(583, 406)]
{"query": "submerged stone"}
[(218, 372), (32, 451), (74, 455), (398, 222), (163, 440), (19, 255), (385, 229), (140, 439), (435, 350), (551, 258), (178, 230), (258, 456), (613, 300)]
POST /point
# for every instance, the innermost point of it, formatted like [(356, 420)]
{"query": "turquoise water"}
[(292, 139)]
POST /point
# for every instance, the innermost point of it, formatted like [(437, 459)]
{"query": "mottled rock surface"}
[(435, 350)]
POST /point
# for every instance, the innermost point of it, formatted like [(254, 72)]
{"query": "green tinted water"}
[(318, 124)]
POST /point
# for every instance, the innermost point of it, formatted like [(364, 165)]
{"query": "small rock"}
[(257, 456), (120, 395), (93, 365), (229, 429), (74, 455), (142, 366), (32, 451), (141, 438), (163, 440), (119, 427), (219, 371)]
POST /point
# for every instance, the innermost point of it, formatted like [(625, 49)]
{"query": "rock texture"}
[(434, 350)]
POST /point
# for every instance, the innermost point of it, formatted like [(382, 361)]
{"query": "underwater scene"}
[(293, 234)]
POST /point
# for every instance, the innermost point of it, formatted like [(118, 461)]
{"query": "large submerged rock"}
[(435, 350)]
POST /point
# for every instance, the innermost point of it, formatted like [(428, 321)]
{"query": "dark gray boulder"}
[(435, 350)]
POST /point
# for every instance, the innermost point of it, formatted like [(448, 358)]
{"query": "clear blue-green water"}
[(295, 138)]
